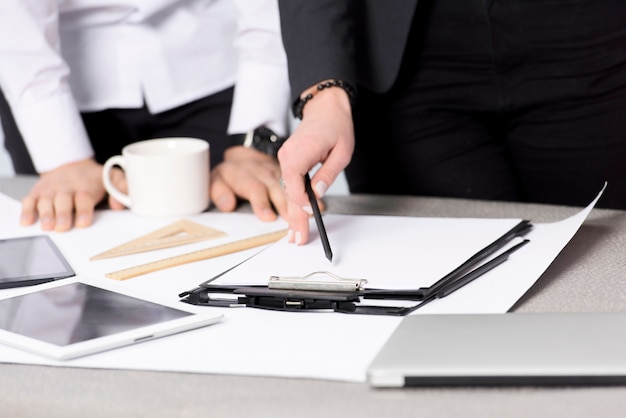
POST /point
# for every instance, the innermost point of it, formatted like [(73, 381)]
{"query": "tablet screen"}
[(78, 312), (31, 260)]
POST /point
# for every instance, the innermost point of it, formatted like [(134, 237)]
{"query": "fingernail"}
[(82, 220), (222, 202), (290, 235), (268, 214), (298, 238), (46, 222), (25, 219), (62, 221), (321, 188), (307, 209)]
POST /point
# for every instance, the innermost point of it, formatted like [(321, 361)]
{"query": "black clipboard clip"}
[(327, 291)]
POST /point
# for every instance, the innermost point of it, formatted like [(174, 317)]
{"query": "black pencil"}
[(318, 217)]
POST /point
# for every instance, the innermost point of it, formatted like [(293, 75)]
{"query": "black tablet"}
[(28, 261)]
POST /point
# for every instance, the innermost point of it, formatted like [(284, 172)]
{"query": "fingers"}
[(298, 207), (294, 168), (221, 193), (29, 211), (250, 175), (328, 172), (84, 209), (261, 198), (118, 178), (279, 199), (45, 209), (59, 212), (231, 181), (298, 232), (64, 197), (114, 204), (63, 211)]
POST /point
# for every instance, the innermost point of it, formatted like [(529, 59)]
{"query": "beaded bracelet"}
[(299, 106)]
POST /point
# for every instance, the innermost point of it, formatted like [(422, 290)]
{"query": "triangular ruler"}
[(178, 233)]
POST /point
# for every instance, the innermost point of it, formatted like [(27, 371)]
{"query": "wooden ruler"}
[(228, 248)]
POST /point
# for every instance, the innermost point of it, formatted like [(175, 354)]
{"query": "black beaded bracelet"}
[(299, 106)]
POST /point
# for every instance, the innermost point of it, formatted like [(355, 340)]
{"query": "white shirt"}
[(60, 57)]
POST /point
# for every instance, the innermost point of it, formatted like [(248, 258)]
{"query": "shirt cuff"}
[(53, 131), (261, 98)]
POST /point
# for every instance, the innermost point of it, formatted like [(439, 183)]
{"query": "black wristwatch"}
[(261, 139)]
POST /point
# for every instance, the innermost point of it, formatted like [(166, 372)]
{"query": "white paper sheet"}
[(400, 252)]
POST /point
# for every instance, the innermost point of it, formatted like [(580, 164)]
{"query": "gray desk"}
[(589, 275)]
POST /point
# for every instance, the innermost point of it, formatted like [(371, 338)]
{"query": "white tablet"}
[(68, 319)]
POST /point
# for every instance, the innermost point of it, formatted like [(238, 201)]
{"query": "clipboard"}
[(334, 293)]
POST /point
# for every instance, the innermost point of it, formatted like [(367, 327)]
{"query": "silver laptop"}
[(504, 349)]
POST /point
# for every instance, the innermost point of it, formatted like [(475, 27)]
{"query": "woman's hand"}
[(325, 135)]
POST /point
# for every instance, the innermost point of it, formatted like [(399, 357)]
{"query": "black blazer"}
[(359, 41)]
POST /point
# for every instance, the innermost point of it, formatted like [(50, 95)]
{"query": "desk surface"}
[(588, 276)]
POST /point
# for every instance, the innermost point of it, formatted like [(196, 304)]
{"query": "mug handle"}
[(119, 161)]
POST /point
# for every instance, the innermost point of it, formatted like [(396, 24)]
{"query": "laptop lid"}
[(503, 349)]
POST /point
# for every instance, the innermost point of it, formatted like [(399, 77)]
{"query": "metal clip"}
[(332, 283)]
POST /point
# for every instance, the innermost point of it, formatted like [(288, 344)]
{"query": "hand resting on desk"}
[(66, 196), (251, 175)]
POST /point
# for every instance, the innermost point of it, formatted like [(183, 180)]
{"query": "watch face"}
[(261, 139), (266, 141)]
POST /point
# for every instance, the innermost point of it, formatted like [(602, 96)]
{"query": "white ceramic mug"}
[(165, 177)]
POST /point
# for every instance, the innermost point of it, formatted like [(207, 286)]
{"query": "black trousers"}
[(502, 99), (112, 129)]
